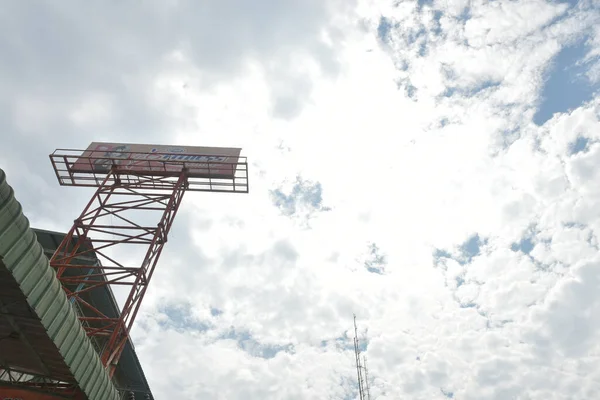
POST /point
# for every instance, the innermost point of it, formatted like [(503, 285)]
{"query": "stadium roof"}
[(129, 376), (43, 344)]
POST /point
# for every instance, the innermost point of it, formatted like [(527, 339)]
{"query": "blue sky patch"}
[(253, 347), (303, 193), (376, 260), (437, 16), (439, 255), (567, 86), (383, 29), (180, 318), (469, 249), (525, 245), (413, 36), (471, 91), (465, 15), (472, 247), (345, 343), (409, 88), (580, 144)]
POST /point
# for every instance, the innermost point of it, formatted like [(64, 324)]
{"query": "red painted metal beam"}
[(114, 223)]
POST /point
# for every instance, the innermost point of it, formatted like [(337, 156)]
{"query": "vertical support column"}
[(117, 214), (117, 341)]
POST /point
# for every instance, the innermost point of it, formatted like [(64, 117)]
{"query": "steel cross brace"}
[(117, 215)]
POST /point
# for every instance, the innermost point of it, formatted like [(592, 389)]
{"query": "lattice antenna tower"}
[(367, 384), (364, 390)]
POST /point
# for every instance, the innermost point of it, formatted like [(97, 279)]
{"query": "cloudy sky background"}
[(431, 166)]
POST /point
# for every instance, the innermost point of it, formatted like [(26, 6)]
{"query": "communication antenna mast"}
[(364, 390), (368, 387)]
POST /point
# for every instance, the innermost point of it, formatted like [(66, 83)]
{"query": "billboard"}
[(148, 159)]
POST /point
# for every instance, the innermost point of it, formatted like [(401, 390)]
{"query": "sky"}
[(430, 166)]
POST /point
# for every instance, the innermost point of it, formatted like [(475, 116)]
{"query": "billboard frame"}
[(118, 215), (152, 159), (74, 168)]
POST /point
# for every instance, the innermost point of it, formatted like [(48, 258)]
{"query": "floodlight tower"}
[(139, 189)]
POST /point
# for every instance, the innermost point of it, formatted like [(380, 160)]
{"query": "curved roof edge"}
[(25, 259)]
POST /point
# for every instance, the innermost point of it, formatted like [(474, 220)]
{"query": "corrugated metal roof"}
[(24, 258), (129, 375), (25, 345)]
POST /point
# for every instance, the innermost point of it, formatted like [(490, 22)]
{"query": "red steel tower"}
[(139, 189)]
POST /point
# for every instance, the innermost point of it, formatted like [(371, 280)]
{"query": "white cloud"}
[(419, 144)]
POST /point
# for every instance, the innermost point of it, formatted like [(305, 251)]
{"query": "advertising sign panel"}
[(210, 162)]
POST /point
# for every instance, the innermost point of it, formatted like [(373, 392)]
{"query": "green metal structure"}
[(43, 339)]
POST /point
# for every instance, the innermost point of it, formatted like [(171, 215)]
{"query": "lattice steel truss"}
[(130, 209), (362, 374)]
